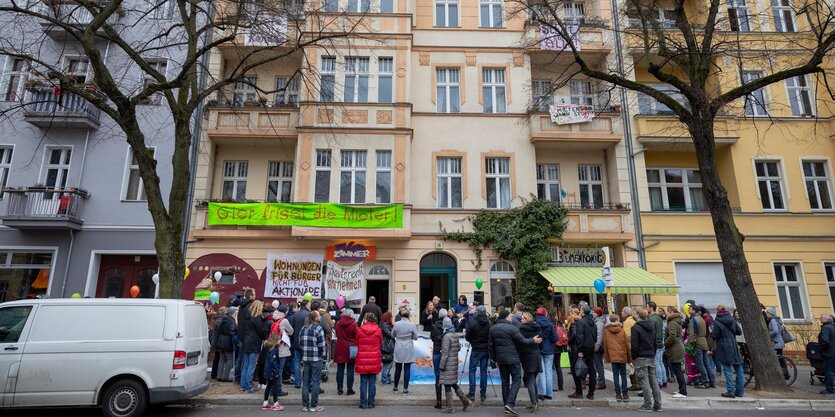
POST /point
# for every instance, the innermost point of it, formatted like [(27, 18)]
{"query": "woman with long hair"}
[(254, 334), (346, 340), (387, 347), (531, 357)]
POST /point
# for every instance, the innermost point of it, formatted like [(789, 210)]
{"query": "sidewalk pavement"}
[(805, 396)]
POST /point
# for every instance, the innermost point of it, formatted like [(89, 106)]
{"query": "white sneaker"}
[(679, 395), (263, 386)]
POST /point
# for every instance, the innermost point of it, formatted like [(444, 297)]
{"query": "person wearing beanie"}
[(697, 339), (478, 333), (599, 323), (775, 330), (545, 380), (436, 333), (450, 347), (503, 345)]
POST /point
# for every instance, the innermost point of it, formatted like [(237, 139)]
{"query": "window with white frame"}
[(770, 185), (754, 102), (548, 182), (675, 189), (575, 12), (446, 13), (352, 177), (356, 80), (581, 92), (359, 6), (134, 188), (280, 181), (244, 91), (591, 186), (502, 279), (541, 92), (790, 291), (448, 88), (160, 66), (783, 12), (383, 180), (491, 13), (498, 182), (322, 185), (829, 271), (817, 184), (449, 178), (286, 91), (738, 15), (385, 73), (14, 79), (800, 96), (57, 168), (163, 9), (76, 68), (493, 90), (328, 79), (386, 6), (233, 187), (5, 167)]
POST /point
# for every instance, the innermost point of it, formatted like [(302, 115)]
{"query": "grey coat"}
[(405, 333), (450, 346), (775, 330)]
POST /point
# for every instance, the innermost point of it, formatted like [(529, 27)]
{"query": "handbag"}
[(581, 369), (630, 369), (787, 335), (352, 351)]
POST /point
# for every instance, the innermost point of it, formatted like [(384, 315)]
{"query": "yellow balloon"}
[(185, 276), (686, 310)]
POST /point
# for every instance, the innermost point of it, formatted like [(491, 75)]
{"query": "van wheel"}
[(124, 398)]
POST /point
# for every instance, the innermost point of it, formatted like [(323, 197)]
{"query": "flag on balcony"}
[(551, 40), (563, 114)]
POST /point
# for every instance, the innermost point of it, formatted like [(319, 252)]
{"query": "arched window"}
[(502, 266), (502, 280), (379, 271), (437, 259)]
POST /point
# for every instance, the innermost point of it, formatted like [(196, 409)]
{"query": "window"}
[(829, 271), (331, 6), (502, 277), (359, 6), (14, 79), (754, 102), (498, 182), (574, 12), (541, 91), (449, 182), (5, 167), (581, 93), (770, 185), (160, 66), (385, 70), (234, 180), (446, 13), (799, 96), (24, 275), (164, 9), (279, 181), (783, 15), (649, 105), (134, 190), (328, 71), (76, 68), (386, 6), (245, 91), (356, 80), (738, 15), (591, 186), (383, 182), (790, 291), (286, 92), (448, 90), (322, 188), (493, 90), (12, 322), (548, 182), (491, 13), (817, 185), (676, 189), (57, 168), (352, 177)]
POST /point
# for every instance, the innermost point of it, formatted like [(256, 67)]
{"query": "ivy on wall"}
[(520, 235)]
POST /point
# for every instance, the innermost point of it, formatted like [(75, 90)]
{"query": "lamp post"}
[(607, 278)]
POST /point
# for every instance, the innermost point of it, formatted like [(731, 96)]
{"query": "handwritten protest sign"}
[(347, 281), (291, 275)]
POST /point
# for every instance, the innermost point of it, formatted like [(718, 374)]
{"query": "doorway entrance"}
[(117, 273), (378, 277), (438, 277)]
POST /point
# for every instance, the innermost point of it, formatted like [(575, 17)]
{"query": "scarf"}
[(695, 325)]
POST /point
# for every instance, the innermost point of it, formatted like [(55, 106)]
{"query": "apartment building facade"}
[(73, 210)]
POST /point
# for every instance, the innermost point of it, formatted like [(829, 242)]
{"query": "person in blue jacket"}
[(545, 380)]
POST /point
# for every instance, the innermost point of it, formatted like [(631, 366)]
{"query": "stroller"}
[(813, 354)]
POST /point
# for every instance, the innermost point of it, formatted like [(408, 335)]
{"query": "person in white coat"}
[(405, 333)]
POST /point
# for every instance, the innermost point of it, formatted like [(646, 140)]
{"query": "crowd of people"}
[(647, 348)]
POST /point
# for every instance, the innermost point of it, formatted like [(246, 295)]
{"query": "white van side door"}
[(15, 322)]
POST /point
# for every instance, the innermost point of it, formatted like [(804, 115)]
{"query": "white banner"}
[(551, 40), (347, 281), (291, 275), (268, 30), (563, 114)]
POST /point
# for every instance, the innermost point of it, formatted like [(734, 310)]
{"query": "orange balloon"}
[(134, 291)]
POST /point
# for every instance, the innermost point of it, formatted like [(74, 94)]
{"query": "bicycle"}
[(790, 370)]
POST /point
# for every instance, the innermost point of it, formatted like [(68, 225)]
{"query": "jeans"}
[(297, 362), (588, 358), (729, 379), (248, 371), (660, 369), (530, 384), (510, 388), (225, 364), (645, 370), (558, 368), (545, 380), (281, 363), (598, 367), (311, 374), (680, 379), (239, 360), (619, 371), (340, 376), (406, 368), (829, 374), (368, 389), (705, 372), (385, 376), (436, 365), (479, 360)]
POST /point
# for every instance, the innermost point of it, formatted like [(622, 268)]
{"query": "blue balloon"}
[(214, 297), (599, 285)]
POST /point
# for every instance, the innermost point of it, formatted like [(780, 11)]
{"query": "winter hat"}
[(772, 311), (541, 312), (503, 315), (481, 310)]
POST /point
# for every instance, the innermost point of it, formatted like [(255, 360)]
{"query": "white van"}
[(120, 354)]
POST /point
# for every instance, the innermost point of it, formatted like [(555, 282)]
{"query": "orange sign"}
[(350, 252)]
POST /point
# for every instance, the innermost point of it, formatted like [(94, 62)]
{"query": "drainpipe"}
[(67, 265), (196, 133), (83, 160), (627, 132)]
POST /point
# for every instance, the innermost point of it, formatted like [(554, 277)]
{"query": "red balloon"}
[(134, 291)]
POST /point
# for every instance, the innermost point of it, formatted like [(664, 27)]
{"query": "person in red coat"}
[(346, 336), (369, 359)]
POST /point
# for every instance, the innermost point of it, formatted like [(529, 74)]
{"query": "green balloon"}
[(75, 295), (308, 296), (478, 283)]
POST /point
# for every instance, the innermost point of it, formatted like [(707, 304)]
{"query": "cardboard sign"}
[(347, 281), (291, 275), (306, 214)]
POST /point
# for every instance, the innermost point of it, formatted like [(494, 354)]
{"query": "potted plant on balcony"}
[(34, 84), (90, 86), (250, 103), (262, 101)]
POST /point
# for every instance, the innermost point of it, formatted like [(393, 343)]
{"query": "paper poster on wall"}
[(291, 275), (347, 281), (408, 302)]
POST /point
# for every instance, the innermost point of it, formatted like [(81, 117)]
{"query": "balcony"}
[(46, 109), (71, 13), (598, 223), (604, 130), (592, 38), (43, 208), (666, 133), (252, 122), (356, 115)]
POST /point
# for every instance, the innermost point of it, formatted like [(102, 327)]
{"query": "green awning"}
[(626, 280)]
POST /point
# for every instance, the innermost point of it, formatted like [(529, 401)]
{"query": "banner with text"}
[(291, 275), (564, 114), (306, 214), (347, 281), (552, 40)]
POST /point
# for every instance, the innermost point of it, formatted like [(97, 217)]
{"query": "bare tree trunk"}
[(766, 368)]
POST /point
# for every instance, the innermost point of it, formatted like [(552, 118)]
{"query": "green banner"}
[(202, 294), (306, 214)]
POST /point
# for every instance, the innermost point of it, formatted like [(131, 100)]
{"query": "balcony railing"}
[(71, 13), (684, 209), (50, 107), (43, 208), (574, 206)]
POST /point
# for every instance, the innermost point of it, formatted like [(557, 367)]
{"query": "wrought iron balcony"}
[(39, 208), (48, 107)]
